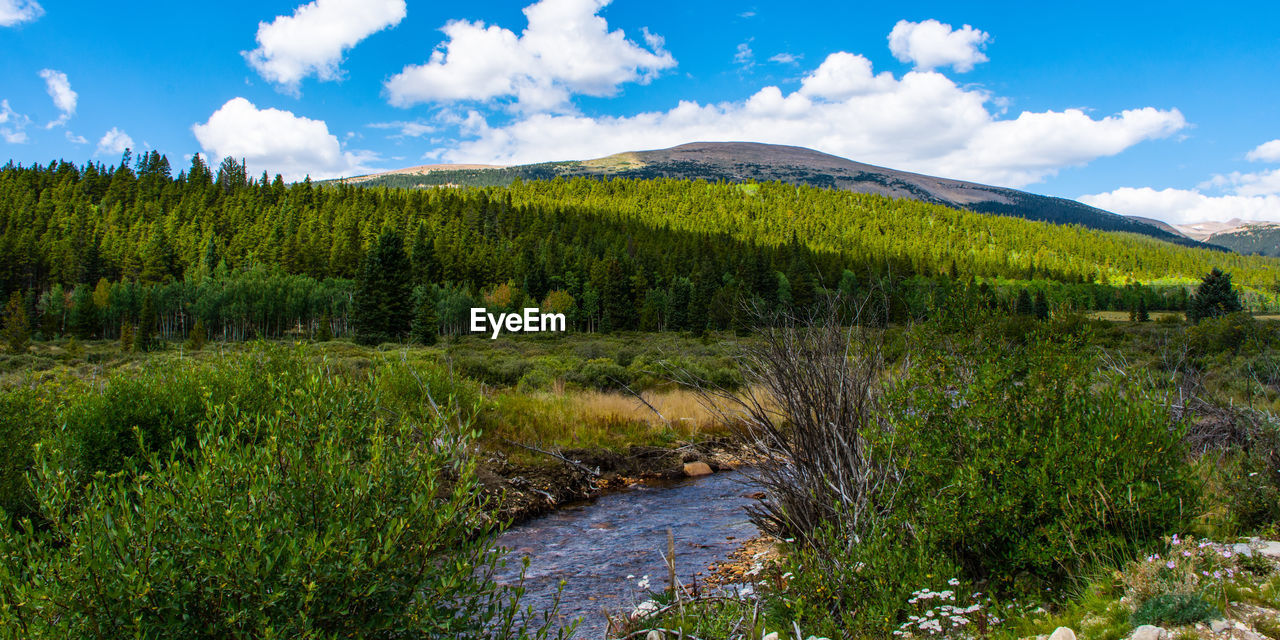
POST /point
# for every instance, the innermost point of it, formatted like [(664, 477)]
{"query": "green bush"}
[(838, 590), (1029, 459), (326, 515), (600, 373), (147, 410), (534, 381), (1228, 333), (1174, 609), (25, 418)]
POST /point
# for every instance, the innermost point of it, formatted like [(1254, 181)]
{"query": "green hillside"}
[(745, 162), (88, 247)]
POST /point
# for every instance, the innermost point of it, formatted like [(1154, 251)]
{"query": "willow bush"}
[(322, 514)]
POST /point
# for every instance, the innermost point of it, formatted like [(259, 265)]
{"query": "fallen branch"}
[(594, 473)]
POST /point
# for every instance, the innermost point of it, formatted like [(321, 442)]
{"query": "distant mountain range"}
[(1242, 236), (750, 161)]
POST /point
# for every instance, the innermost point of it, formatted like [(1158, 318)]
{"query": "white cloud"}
[(1266, 152), (114, 142), (566, 49), (786, 58), (932, 44), (312, 40), (60, 92), (76, 139), (745, 57), (277, 141), (920, 122), (414, 129), (1261, 183), (15, 12), (1183, 206), (12, 124), (1247, 196)]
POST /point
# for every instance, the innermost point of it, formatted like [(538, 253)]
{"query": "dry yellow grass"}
[(677, 406), (589, 419), (1123, 316)]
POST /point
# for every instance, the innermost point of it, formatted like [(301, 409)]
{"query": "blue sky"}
[(1165, 111)]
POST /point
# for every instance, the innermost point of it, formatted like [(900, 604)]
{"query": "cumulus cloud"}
[(12, 124), (277, 141), (1247, 196), (932, 45), (1184, 206), (313, 40), (566, 49), (1266, 152), (410, 129), (60, 92), (15, 12), (114, 142), (76, 139), (921, 122)]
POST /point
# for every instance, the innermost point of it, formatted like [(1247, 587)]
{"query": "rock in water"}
[(1149, 632), (695, 469), (1062, 633)]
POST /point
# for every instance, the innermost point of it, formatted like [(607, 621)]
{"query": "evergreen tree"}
[(763, 279), (1040, 306), (382, 306), (126, 338), (324, 332), (17, 328), (198, 336), (1143, 314), (1215, 297), (84, 313), (1023, 305), (425, 269), (426, 322), (145, 338), (803, 286)]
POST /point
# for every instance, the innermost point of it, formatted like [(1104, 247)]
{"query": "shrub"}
[(600, 373), (25, 418), (1029, 459), (1225, 333), (1174, 609), (324, 515), (535, 380)]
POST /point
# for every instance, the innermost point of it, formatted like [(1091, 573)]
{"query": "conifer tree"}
[(17, 328), (84, 313), (382, 306), (324, 332), (1023, 306), (198, 336), (426, 323), (144, 339), (1143, 314), (126, 338), (1215, 297), (1040, 306)]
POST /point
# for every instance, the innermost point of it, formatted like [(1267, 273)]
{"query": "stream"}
[(595, 545)]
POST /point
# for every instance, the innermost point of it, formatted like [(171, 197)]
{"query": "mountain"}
[(1160, 224), (750, 161), (1248, 238)]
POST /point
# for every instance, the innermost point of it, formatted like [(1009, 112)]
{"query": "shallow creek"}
[(595, 545)]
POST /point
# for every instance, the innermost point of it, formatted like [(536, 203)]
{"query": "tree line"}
[(85, 247)]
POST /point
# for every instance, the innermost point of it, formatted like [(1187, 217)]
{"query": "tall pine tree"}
[(382, 305)]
